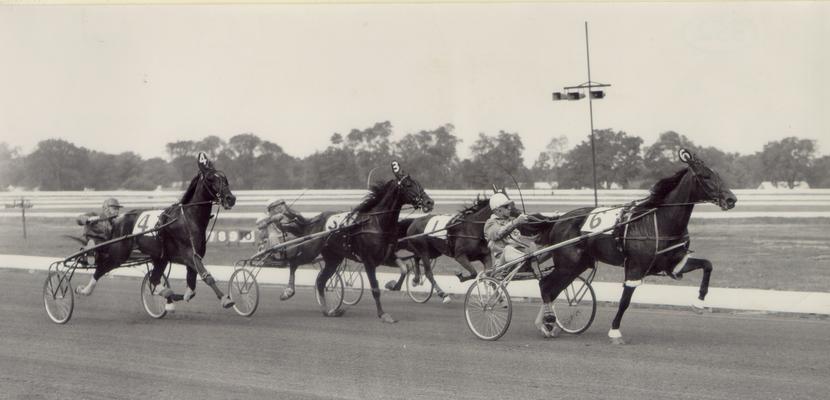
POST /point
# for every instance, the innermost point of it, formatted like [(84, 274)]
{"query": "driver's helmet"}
[(111, 207), (274, 203), (499, 200)]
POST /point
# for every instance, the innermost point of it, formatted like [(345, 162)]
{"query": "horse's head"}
[(215, 182), (413, 192), (709, 185)]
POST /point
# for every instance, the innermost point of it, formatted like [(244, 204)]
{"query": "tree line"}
[(250, 162)]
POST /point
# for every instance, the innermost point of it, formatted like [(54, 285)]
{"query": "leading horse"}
[(656, 241), (182, 241), (372, 234)]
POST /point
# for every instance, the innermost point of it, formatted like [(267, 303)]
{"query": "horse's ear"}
[(495, 189), (204, 163), (396, 168), (685, 155)]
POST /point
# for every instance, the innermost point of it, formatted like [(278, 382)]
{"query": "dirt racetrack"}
[(111, 349)]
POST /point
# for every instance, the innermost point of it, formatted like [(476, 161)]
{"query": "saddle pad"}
[(437, 223), (146, 221), (337, 220), (602, 218)]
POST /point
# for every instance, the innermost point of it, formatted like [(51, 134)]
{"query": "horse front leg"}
[(440, 292), (693, 264), (373, 282), (625, 300), (199, 267), (289, 291)]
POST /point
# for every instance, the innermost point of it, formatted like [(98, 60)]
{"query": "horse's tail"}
[(75, 238)]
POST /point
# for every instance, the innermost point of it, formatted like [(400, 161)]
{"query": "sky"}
[(133, 78)]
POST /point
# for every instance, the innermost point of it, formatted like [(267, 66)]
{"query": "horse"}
[(371, 234), (464, 241), (181, 241), (656, 241)]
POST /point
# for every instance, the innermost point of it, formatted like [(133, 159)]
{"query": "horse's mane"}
[(663, 187), (477, 204), (188, 194), (376, 192)]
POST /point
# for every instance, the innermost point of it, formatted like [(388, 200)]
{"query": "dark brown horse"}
[(373, 234), (655, 242), (183, 241), (464, 241)]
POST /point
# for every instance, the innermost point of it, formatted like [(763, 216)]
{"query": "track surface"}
[(111, 349)]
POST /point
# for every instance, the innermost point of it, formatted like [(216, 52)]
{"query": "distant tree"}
[(788, 160), (660, 158), (182, 154), (618, 160), (11, 166), (151, 174), (370, 148), (58, 165), (819, 174), (431, 155), (546, 167), (494, 160)]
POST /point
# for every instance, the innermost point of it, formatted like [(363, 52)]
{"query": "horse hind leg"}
[(289, 291), (465, 262), (395, 286), (693, 264)]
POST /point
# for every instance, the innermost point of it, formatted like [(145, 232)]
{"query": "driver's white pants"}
[(509, 253)]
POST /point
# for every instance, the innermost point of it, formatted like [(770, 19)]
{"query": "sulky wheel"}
[(576, 306), (419, 292), (488, 309), (58, 297), (244, 291), (334, 292), (153, 302), (353, 282)]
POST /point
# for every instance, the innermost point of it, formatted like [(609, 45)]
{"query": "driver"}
[(271, 233), (98, 227), (506, 246)]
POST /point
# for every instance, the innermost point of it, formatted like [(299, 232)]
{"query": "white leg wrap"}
[(633, 284), (680, 265), (614, 334), (188, 294), (698, 303), (170, 307)]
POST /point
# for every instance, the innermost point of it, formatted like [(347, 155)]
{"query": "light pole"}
[(576, 93)]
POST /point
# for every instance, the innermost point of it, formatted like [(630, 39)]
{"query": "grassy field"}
[(764, 253)]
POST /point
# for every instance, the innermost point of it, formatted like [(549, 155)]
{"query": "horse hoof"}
[(618, 341), (335, 313), (447, 299), (165, 292), (391, 286), (170, 308), (188, 294), (387, 318), (80, 290), (287, 294), (227, 302), (698, 307)]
